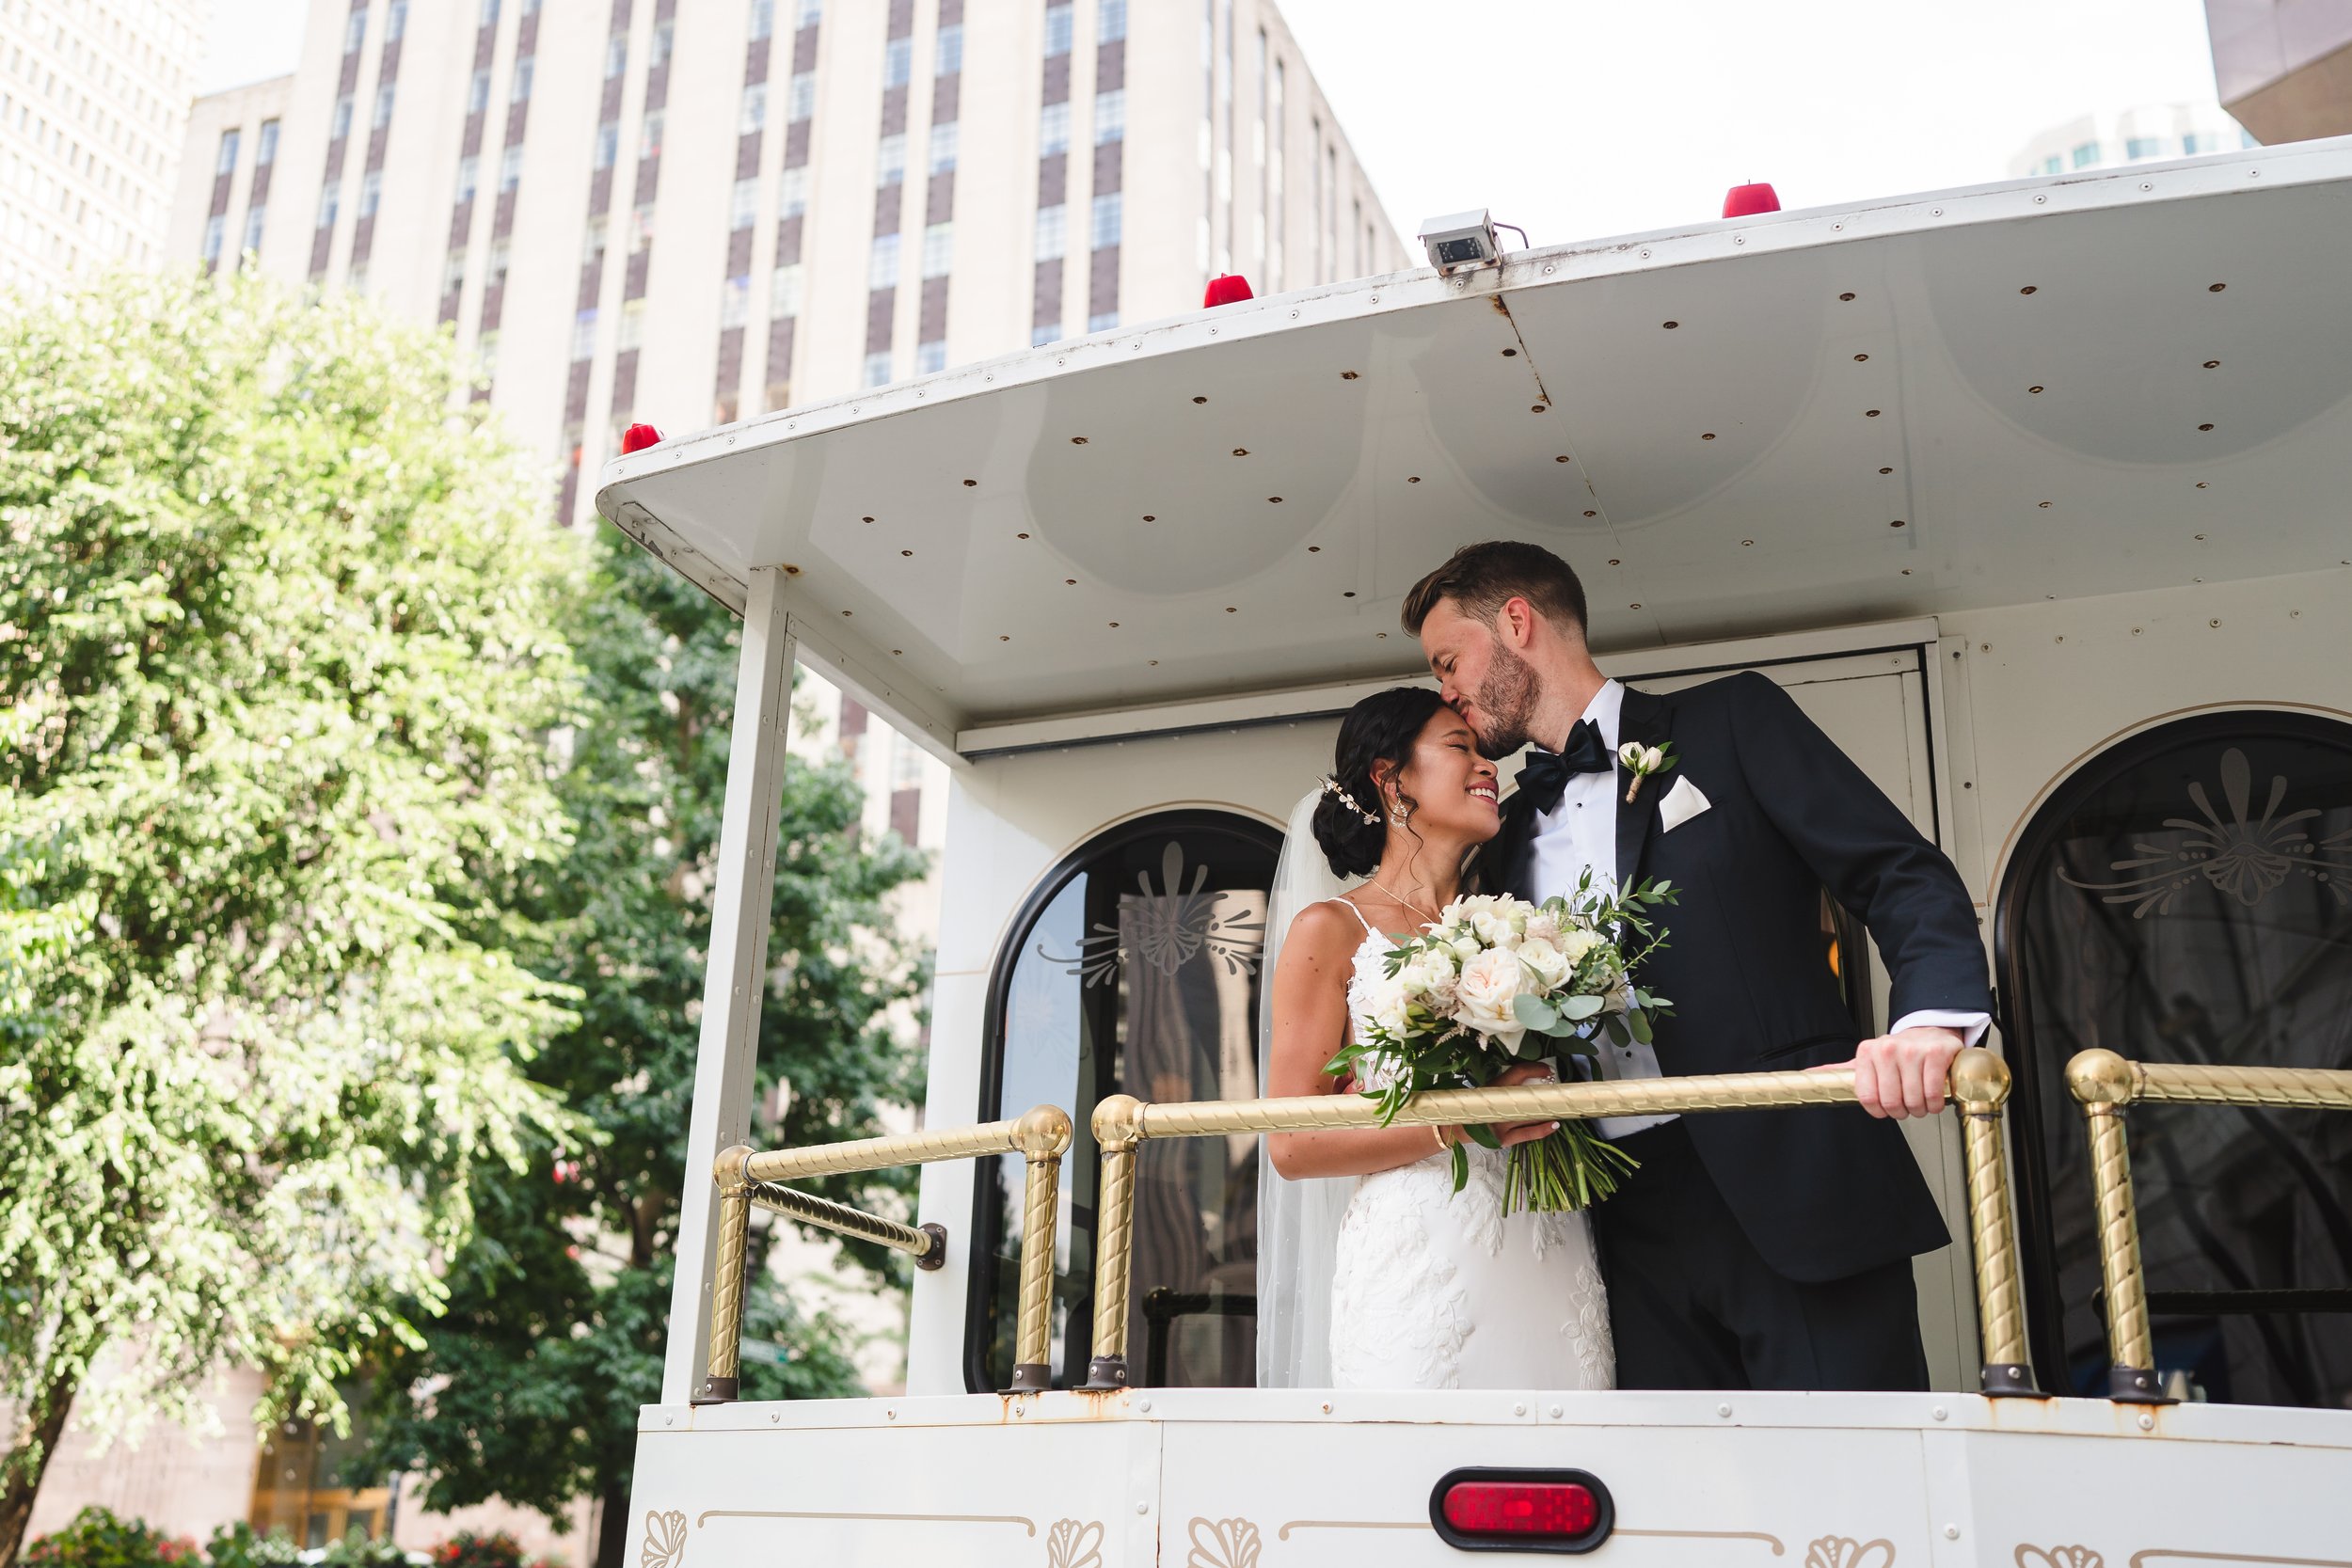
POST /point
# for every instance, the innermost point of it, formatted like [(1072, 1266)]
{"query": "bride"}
[(1374, 1272)]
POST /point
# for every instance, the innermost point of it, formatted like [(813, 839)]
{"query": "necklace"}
[(1434, 920)]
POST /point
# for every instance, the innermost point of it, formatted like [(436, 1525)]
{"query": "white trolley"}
[(1994, 480)]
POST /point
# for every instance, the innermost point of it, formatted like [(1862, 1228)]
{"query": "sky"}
[(1577, 119)]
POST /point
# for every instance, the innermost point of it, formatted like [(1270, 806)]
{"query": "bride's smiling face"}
[(1452, 788)]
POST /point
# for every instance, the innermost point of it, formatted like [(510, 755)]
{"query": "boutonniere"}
[(1642, 761)]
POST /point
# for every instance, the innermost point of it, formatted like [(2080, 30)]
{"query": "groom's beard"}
[(1505, 703)]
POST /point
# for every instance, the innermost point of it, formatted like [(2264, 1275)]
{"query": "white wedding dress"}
[(1436, 1288)]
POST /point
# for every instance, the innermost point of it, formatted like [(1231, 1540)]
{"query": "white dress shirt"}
[(1580, 831)]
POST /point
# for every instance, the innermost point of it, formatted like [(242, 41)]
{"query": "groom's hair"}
[(1482, 578)]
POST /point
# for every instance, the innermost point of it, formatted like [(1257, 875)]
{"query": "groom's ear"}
[(1515, 624)]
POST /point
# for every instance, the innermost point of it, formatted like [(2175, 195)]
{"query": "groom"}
[(1756, 1249)]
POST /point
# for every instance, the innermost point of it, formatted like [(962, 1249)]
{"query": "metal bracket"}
[(1107, 1374)]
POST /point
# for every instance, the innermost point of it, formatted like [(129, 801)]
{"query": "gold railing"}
[(2103, 1084), (1979, 1084)]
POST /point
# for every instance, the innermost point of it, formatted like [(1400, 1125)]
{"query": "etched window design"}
[(2187, 897), (1134, 969)]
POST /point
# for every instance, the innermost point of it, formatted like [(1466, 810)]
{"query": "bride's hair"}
[(1382, 728)]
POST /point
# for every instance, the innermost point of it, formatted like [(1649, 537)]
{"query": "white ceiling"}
[(1714, 478)]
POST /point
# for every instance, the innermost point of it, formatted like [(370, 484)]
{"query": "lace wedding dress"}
[(1437, 1289)]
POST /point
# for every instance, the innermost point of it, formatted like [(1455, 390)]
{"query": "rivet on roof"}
[(2214, 288), (2035, 390), (2204, 427), (1077, 440), (1870, 412), (1412, 478), (1846, 296), (1510, 354), (1707, 435), (1562, 458), (1241, 451), (2030, 288), (1149, 517), (1348, 375), (1591, 514), (969, 484), (2213, 364), (1860, 357), (1896, 523), (1670, 326)]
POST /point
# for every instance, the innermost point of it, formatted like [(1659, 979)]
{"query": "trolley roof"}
[(2052, 388)]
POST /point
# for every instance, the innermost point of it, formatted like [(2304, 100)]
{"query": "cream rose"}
[(1484, 995), (1384, 1003), (1574, 944), (1542, 925), (1544, 961)]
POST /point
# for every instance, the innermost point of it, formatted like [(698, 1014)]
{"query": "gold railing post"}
[(722, 1381), (1980, 1086), (1042, 1136), (1118, 1123), (2102, 1084)]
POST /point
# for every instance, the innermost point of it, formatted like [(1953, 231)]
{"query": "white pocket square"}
[(1682, 803)]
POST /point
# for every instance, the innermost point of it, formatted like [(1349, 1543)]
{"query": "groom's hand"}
[(1903, 1074)]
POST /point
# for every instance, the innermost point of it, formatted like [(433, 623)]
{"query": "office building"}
[(2140, 134), (2284, 67)]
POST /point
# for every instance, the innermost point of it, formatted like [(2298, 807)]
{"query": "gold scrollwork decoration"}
[(1837, 1551), (1072, 1545), (1223, 1543), (2058, 1557), (665, 1539)]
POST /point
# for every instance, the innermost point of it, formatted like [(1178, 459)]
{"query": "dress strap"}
[(1357, 914)]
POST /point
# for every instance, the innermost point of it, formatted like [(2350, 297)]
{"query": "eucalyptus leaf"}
[(1579, 1008), (1533, 1011)]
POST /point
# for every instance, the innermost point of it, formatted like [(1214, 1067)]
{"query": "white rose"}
[(1424, 971), (1385, 1003), (1544, 961), (1498, 925), (1574, 944), (1542, 925), (1467, 949), (1484, 995)]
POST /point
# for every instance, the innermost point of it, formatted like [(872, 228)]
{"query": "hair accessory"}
[(1331, 786)]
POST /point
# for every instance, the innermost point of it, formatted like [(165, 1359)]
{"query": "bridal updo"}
[(1382, 728)]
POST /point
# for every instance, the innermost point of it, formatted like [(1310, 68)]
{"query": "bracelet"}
[(1439, 1133)]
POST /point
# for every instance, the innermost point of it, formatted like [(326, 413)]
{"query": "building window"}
[(763, 18), (641, 227), (649, 134), (735, 303), (608, 143), (383, 104), (939, 248), (502, 257), (792, 192), (803, 97), (2085, 154), (253, 216), (510, 169), (663, 33), (518, 90), (1052, 232), (2144, 147), (1056, 30), (616, 56), (754, 115), (743, 206), (355, 31), (633, 333), (2054, 165), (330, 199), (371, 192), (1108, 218), (395, 20), (265, 152), (1110, 21), (931, 358), (469, 175), (881, 267), (585, 334), (784, 293), (2181, 898), (2201, 141), (341, 125), (897, 62), (488, 14), (950, 58), (227, 162), (1134, 969), (945, 137), (1103, 322), (809, 13), (877, 368), (214, 228), (453, 272), (1110, 116), (1048, 333), (1053, 130), (890, 160)]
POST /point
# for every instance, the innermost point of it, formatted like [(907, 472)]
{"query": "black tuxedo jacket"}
[(1829, 1191)]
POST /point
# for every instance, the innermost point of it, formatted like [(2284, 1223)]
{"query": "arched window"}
[(1134, 969), (2187, 897)]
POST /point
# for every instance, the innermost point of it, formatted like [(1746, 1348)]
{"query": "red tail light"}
[(637, 438), (1227, 288), (1521, 1510)]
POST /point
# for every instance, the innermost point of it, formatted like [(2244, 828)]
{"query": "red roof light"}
[(1226, 288), (637, 438), (1746, 201)]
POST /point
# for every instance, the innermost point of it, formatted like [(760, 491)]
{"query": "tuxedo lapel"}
[(1650, 720)]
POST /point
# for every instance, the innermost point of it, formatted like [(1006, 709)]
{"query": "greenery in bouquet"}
[(1499, 981)]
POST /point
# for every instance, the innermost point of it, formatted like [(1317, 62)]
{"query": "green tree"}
[(528, 1387), (279, 654)]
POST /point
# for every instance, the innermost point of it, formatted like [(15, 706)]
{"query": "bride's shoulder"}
[(1325, 928)]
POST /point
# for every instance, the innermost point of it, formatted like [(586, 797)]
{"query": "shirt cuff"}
[(1971, 1026)]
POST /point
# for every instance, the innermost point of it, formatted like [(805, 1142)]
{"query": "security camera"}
[(1462, 241)]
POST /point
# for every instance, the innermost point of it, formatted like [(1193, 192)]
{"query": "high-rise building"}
[(93, 110), (2139, 135), (690, 210), (2284, 67)]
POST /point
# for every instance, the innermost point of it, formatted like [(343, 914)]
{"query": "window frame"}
[(1080, 1162)]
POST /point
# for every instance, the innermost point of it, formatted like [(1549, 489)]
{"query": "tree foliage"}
[(531, 1382), (280, 647)]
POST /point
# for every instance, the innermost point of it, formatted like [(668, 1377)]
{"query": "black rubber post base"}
[(1031, 1377), (717, 1390), (2134, 1385), (1107, 1374), (937, 1257), (2004, 1381)]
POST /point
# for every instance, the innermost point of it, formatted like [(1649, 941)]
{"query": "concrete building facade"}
[(93, 111), (2284, 67)]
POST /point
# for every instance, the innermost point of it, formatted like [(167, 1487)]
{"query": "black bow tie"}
[(1546, 774)]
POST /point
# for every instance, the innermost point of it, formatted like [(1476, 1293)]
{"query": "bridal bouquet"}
[(1499, 981)]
